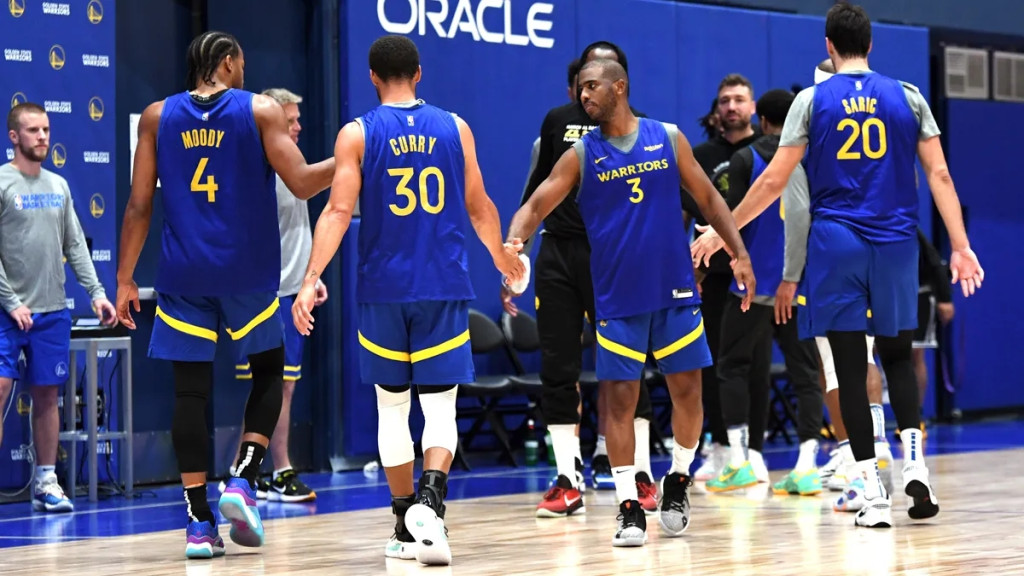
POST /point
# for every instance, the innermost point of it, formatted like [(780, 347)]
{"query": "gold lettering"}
[(872, 103), (186, 140), (403, 145), (602, 176), (433, 141), (220, 136), (846, 106), (631, 169), (394, 147), (421, 145), (664, 164)]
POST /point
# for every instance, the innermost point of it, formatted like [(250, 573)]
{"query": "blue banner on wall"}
[(60, 55)]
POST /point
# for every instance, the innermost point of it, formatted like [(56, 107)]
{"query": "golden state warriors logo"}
[(94, 11), (24, 404), (17, 7), (59, 155), (95, 108), (97, 206), (18, 98), (57, 57)]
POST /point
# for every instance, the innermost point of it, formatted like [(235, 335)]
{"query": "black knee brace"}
[(264, 405), (189, 434)]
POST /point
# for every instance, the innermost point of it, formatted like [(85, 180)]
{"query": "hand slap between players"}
[(706, 245), (507, 261)]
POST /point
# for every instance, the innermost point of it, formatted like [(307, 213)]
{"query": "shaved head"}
[(609, 70)]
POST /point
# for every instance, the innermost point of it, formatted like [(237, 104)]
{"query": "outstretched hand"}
[(966, 270)]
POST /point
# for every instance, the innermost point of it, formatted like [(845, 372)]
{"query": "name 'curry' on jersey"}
[(220, 232), (412, 241), (631, 207), (862, 145)]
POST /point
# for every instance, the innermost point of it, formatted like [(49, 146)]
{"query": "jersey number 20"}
[(862, 130), (210, 186), (402, 189)]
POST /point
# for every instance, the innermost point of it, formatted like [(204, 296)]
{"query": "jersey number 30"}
[(402, 189), (210, 186), (864, 132)]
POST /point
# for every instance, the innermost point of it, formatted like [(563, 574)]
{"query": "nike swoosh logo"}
[(569, 503), (598, 161), (695, 310)]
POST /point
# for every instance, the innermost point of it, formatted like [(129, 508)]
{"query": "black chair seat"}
[(527, 383)]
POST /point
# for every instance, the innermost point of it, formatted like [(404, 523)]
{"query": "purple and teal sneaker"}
[(238, 505), (203, 540)]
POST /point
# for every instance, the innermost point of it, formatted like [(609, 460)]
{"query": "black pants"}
[(744, 368), (565, 293), (714, 290)]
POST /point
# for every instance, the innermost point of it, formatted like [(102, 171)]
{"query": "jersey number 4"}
[(210, 186), (402, 189), (863, 132)]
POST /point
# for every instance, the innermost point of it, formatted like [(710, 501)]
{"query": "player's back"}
[(630, 203), (412, 242), (862, 145), (220, 231)]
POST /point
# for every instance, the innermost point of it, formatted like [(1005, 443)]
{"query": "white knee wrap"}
[(439, 428), (829, 365), (394, 440)]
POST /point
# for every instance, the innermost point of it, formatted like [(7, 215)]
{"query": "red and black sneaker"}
[(561, 500)]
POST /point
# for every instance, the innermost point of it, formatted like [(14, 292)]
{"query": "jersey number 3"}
[(210, 186), (402, 189), (864, 132), (636, 194)]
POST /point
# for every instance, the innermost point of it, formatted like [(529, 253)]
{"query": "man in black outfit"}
[(565, 293), (735, 109)]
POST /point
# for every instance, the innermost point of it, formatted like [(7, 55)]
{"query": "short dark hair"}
[(773, 106), (707, 121), (205, 54), (606, 45), (574, 70), (849, 29), (14, 116), (610, 69), (735, 80), (394, 57)]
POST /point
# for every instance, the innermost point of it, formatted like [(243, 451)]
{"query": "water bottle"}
[(550, 446), (531, 445)]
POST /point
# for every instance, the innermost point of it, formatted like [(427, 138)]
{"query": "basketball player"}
[(296, 241), (38, 230), (862, 247), (629, 171), (415, 167), (215, 150)]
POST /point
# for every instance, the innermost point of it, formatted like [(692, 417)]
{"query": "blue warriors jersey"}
[(765, 239), (862, 145), (220, 233), (412, 241), (640, 256)]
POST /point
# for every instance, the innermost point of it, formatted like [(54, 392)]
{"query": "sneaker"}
[(675, 504), (647, 492), (48, 496), (806, 483), (632, 530), (561, 500), (288, 488), (733, 478), (238, 505), (262, 489), (713, 464), (430, 534), (601, 473), (202, 540), (835, 459), (759, 467), (401, 545), (915, 484), (852, 498), (581, 481), (885, 465), (876, 513), (841, 477)]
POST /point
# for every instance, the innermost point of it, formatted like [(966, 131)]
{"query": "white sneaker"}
[(835, 459), (760, 469), (876, 513), (885, 465), (48, 496), (852, 498), (713, 464), (916, 485), (395, 548), (431, 538), (840, 478)]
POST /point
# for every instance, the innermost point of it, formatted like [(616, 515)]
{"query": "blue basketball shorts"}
[(420, 343), (853, 285), (675, 336), (186, 328), (294, 343), (46, 346)]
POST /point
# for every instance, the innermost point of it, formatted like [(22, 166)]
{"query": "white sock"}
[(566, 445), (682, 457), (642, 446), (738, 445), (625, 483), (878, 421), (808, 456), (847, 452), (602, 447), (45, 474), (277, 473), (868, 470), (912, 449)]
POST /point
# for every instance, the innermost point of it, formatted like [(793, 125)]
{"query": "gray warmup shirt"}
[(296, 239)]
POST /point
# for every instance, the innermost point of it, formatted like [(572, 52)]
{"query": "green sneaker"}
[(803, 483), (733, 478)]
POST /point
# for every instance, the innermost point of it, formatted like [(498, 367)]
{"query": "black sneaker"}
[(288, 488), (601, 473), (632, 530), (675, 504), (262, 489)]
